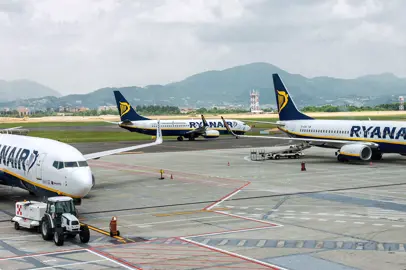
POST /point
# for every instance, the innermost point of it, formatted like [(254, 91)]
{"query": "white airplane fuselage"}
[(43, 166), (182, 127), (390, 135)]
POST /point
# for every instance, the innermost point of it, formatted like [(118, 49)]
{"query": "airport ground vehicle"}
[(291, 151), (55, 219)]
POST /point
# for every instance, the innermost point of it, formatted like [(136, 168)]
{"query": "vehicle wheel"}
[(180, 138), (58, 238), (277, 157), (16, 225), (46, 230), (84, 234), (118, 233)]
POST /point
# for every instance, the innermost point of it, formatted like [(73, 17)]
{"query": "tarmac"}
[(218, 209)]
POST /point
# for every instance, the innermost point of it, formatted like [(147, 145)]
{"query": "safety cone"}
[(228, 164), (370, 163), (171, 176)]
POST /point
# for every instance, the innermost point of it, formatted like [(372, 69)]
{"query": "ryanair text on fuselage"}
[(16, 158)]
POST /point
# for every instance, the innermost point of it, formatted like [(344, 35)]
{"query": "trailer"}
[(55, 219), (291, 151)]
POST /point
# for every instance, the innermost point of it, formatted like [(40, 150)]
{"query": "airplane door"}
[(38, 166)]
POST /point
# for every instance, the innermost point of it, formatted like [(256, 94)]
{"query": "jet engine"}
[(355, 151), (211, 134)]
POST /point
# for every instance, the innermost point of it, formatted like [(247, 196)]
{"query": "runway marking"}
[(226, 197), (70, 264), (235, 255), (113, 260), (188, 212)]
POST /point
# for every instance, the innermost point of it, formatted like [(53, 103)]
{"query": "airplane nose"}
[(82, 178)]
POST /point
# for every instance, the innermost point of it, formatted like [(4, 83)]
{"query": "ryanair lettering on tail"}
[(16, 158), (373, 132), (211, 124)]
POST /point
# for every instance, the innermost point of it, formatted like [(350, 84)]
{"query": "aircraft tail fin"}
[(205, 124), (126, 111), (286, 107)]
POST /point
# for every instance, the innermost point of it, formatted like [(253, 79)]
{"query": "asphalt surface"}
[(172, 145)]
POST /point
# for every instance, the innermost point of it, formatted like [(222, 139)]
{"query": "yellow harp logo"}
[(283, 99), (124, 108)]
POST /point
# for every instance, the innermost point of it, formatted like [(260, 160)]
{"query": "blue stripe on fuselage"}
[(384, 147), (10, 180)]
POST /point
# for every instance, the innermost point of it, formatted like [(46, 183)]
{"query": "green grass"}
[(89, 136), (54, 124)]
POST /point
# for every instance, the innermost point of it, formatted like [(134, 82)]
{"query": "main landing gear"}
[(180, 138)]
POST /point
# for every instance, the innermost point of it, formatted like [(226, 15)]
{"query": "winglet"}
[(205, 124), (228, 128), (159, 132)]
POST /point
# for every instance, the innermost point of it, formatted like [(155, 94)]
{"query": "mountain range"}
[(232, 86), (24, 89)]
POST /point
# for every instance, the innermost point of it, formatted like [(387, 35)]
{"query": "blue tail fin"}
[(286, 107), (127, 113)]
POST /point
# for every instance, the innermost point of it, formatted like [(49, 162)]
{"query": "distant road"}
[(237, 116)]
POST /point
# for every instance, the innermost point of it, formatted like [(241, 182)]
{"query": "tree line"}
[(351, 108)]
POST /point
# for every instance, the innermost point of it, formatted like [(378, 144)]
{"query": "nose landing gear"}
[(180, 138)]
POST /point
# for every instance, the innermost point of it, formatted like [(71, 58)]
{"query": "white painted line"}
[(355, 216), (280, 244), (235, 255), (70, 264), (322, 219), (290, 211), (289, 217), (241, 243), (322, 214), (305, 212), (340, 244), (229, 206), (340, 221), (43, 254), (305, 218), (244, 207), (261, 243), (402, 247), (339, 215), (222, 243), (299, 244), (377, 224), (398, 226), (205, 241), (259, 209), (241, 213), (359, 222), (380, 247), (113, 261)]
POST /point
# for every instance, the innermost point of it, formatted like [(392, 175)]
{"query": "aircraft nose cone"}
[(82, 178)]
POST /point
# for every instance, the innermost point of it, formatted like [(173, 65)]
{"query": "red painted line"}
[(147, 251), (199, 265), (159, 249), (232, 254), (190, 260), (226, 197)]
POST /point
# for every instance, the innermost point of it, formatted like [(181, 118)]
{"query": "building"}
[(107, 108), (23, 111)]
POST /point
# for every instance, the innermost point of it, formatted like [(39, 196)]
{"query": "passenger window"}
[(55, 164)]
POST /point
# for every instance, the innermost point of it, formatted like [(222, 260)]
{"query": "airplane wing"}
[(200, 130), (12, 128), (332, 141), (130, 148)]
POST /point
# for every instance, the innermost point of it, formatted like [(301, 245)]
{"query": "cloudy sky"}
[(76, 46)]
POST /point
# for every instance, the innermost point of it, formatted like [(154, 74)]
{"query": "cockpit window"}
[(71, 164), (55, 164), (60, 165), (82, 164)]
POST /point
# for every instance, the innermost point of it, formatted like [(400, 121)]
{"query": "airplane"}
[(190, 129), (354, 139), (48, 167)]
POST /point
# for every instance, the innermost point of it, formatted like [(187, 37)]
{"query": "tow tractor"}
[(292, 151), (55, 219)]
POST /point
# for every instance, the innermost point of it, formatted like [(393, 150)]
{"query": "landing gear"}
[(376, 156), (180, 138)]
